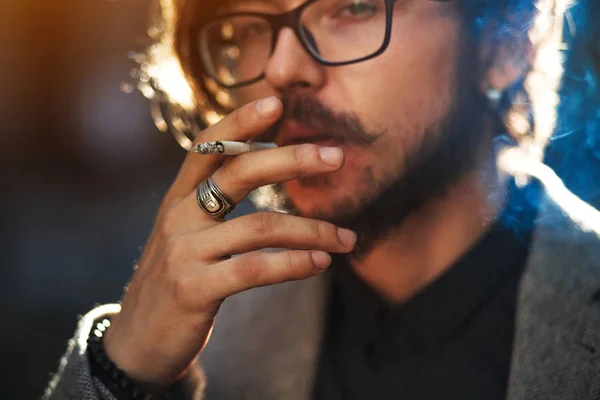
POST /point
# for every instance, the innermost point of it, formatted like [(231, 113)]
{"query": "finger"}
[(244, 173), (242, 124), (263, 230), (220, 280)]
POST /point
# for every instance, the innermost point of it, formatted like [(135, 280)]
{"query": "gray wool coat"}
[(265, 341)]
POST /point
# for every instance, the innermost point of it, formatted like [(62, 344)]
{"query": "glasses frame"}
[(293, 20)]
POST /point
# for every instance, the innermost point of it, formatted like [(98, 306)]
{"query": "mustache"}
[(310, 112)]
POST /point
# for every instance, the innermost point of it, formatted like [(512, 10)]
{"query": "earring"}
[(494, 96)]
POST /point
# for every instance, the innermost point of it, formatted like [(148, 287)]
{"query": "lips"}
[(292, 133)]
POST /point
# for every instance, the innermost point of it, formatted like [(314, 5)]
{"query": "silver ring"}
[(212, 200)]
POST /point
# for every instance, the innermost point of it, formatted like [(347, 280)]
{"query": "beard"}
[(446, 153)]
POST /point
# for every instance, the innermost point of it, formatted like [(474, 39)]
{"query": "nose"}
[(290, 66)]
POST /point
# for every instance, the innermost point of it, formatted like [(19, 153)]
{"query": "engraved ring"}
[(212, 200)]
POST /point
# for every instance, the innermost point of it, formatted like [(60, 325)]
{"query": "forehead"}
[(275, 5)]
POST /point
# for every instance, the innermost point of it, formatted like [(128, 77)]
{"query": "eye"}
[(357, 9), (257, 29), (249, 31)]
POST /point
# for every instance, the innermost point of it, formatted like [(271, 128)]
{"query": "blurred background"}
[(82, 171)]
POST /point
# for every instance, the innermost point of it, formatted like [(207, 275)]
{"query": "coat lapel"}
[(266, 342), (556, 354)]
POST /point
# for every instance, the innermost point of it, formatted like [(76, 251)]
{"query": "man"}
[(386, 155)]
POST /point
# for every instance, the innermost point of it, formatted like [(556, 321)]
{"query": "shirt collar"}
[(433, 315)]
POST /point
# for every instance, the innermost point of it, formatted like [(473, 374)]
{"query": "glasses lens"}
[(236, 49), (344, 30)]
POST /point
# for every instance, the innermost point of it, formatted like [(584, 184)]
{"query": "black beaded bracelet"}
[(102, 368)]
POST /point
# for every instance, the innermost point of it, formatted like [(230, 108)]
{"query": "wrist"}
[(104, 369), (125, 355), (121, 384)]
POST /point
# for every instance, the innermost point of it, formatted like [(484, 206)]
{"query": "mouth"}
[(292, 133)]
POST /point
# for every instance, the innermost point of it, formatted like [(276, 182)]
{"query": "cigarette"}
[(228, 148)]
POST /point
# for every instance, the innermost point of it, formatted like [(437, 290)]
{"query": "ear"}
[(505, 60)]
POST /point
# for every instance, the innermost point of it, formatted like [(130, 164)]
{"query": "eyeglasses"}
[(236, 48)]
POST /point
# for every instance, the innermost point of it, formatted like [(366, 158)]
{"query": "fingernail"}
[(331, 155), (320, 259), (347, 237), (268, 106)]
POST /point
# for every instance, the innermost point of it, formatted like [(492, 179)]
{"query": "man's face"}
[(387, 107), (396, 98)]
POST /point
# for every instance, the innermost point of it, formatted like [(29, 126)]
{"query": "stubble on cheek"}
[(370, 170), (336, 196), (328, 197)]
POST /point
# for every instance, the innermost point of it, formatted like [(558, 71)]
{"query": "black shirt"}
[(452, 340)]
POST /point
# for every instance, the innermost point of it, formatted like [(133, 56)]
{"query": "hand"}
[(186, 271)]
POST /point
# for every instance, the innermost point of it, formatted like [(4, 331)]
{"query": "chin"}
[(322, 198)]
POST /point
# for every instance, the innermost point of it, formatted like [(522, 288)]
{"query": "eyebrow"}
[(234, 5)]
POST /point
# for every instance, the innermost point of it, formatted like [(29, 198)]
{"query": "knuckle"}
[(320, 231), (297, 263), (181, 290), (323, 233), (234, 168), (167, 222), (173, 252), (292, 261), (264, 224), (304, 154), (237, 119), (249, 272)]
